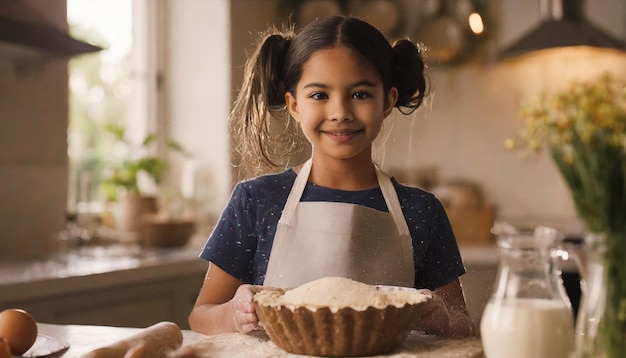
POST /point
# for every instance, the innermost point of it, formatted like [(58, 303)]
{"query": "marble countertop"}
[(95, 267)]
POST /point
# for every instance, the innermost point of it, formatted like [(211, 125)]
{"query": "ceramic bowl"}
[(167, 233)]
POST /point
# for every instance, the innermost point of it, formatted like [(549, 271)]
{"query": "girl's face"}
[(340, 104)]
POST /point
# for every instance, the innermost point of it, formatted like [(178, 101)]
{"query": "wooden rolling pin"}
[(157, 341)]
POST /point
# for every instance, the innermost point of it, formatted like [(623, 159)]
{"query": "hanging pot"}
[(443, 34)]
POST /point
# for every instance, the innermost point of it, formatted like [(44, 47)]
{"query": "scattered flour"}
[(256, 344)]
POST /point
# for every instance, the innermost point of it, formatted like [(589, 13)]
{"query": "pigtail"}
[(408, 75), (259, 119), (269, 68)]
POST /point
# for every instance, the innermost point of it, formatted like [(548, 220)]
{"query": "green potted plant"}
[(131, 179)]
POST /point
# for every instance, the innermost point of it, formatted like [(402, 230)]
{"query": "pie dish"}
[(336, 316)]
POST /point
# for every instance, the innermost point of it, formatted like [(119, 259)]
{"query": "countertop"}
[(95, 267), (82, 339)]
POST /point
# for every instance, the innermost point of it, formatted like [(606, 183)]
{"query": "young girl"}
[(337, 214)]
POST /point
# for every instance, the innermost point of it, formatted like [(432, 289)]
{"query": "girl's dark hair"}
[(259, 119)]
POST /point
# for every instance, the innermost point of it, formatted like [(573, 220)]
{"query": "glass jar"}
[(601, 325), (529, 313)]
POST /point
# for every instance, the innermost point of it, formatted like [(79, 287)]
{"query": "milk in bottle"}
[(530, 327), (529, 314)]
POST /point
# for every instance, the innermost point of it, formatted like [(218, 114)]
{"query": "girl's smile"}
[(342, 135)]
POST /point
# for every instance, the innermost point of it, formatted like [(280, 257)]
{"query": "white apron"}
[(319, 239)]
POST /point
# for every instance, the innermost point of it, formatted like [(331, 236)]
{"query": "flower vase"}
[(601, 323)]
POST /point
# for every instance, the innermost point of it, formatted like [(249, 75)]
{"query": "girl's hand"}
[(243, 312), (436, 318), (224, 305), (446, 314)]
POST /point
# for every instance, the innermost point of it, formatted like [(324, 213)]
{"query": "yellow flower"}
[(591, 112), (584, 129), (509, 143)]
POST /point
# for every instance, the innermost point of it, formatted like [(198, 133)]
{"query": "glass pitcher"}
[(529, 313)]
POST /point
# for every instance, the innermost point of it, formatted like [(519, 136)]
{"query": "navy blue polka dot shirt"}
[(242, 240)]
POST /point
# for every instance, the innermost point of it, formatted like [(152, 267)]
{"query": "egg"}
[(5, 351), (19, 329)]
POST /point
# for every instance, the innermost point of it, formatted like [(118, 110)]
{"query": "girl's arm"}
[(224, 305), (447, 313)]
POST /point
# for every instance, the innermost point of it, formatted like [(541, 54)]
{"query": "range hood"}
[(564, 26), (45, 39)]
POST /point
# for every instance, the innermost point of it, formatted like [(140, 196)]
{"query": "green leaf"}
[(116, 130), (150, 138)]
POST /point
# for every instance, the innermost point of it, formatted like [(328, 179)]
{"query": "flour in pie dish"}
[(340, 292)]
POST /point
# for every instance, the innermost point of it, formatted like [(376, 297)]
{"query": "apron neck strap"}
[(391, 199), (296, 193), (384, 181)]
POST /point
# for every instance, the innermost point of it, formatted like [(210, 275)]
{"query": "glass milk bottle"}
[(529, 314)]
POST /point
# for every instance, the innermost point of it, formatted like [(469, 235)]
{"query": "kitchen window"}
[(116, 86)]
